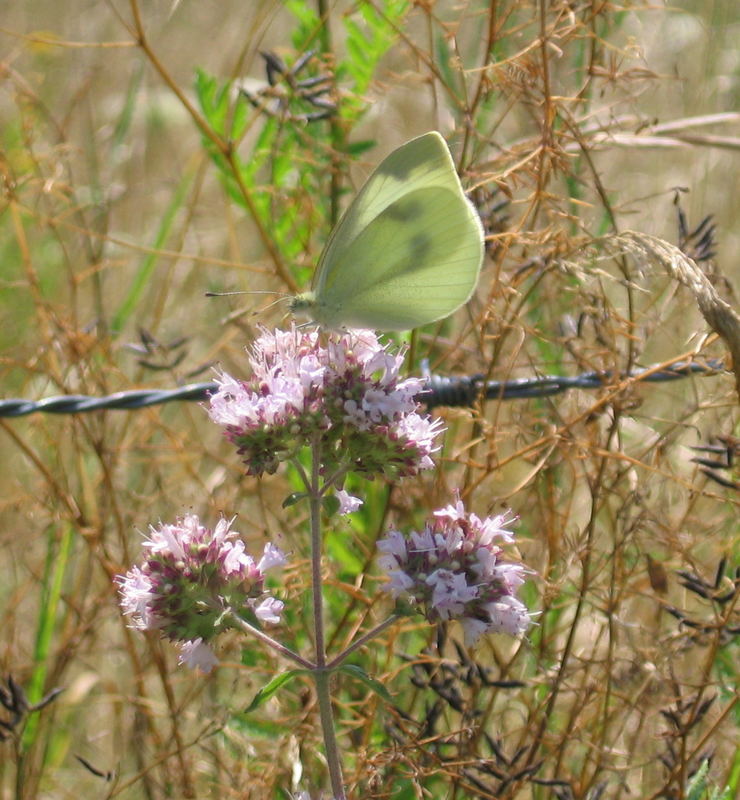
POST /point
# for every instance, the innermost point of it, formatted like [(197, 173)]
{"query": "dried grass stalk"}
[(651, 251)]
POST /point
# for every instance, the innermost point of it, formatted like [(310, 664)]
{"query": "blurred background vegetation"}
[(153, 151)]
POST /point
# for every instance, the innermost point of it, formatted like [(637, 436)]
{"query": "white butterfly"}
[(407, 251)]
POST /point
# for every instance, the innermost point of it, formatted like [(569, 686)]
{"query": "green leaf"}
[(356, 149), (240, 119), (698, 783), (359, 674), (214, 100), (58, 554), (293, 499), (330, 504), (303, 12), (253, 727), (266, 692)]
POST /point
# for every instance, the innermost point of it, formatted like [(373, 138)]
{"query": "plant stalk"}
[(320, 674)]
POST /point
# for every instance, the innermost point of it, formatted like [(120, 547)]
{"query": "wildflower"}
[(197, 655), (453, 569), (190, 581), (347, 502), (342, 390)]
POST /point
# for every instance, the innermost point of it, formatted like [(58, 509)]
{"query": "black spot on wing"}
[(407, 209), (420, 247)]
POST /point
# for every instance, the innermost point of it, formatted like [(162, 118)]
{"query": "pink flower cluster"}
[(346, 392), (191, 578), (453, 569)]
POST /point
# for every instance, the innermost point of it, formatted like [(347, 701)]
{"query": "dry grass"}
[(569, 128)]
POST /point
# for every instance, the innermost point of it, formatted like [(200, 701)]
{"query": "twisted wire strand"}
[(439, 390), (455, 392)]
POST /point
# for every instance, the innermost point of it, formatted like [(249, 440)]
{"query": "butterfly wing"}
[(408, 249)]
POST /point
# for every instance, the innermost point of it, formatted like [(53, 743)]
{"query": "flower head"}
[(453, 569), (191, 579), (342, 389)]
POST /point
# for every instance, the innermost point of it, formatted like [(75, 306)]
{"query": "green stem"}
[(315, 495), (320, 675), (270, 642), (323, 694)]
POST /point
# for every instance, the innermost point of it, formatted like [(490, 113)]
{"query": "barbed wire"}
[(455, 392), (439, 390)]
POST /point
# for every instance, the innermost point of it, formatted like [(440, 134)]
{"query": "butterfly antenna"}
[(240, 312), (246, 291)]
